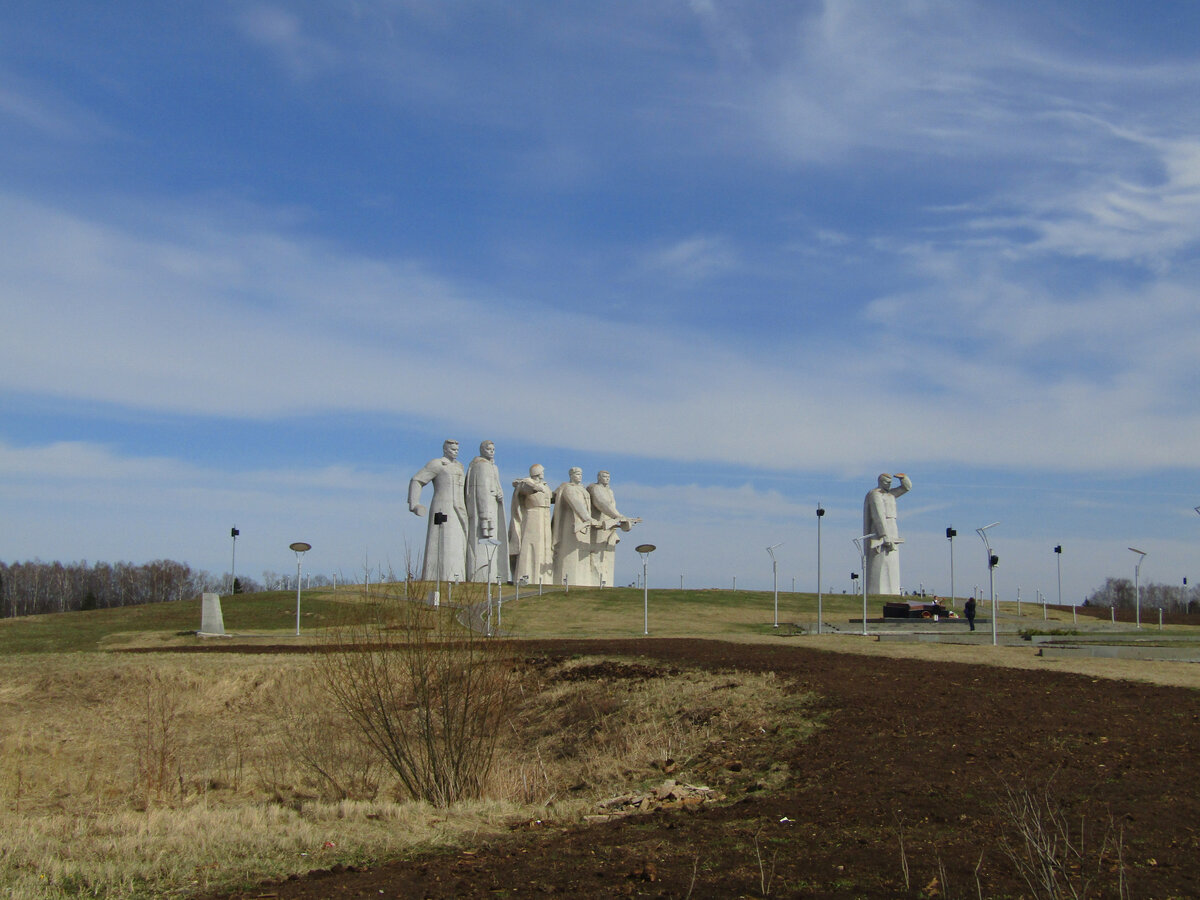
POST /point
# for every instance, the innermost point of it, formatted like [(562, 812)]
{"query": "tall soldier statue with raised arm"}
[(883, 550)]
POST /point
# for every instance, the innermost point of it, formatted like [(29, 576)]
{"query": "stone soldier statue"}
[(529, 539), (445, 544), (485, 517), (606, 537), (883, 550), (572, 523)]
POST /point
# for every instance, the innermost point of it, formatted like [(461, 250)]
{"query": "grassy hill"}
[(581, 612)]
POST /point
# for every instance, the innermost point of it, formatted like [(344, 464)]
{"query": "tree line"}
[(29, 588), (1119, 593)]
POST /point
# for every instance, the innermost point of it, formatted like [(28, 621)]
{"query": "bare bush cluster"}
[(1057, 854), (427, 696)]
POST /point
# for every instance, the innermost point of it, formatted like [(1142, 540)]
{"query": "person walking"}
[(969, 609)]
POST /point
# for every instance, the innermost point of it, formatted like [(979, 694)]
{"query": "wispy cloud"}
[(36, 107), (282, 32), (168, 323), (693, 259)]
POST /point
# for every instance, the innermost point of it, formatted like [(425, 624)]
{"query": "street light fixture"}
[(645, 550), (233, 534), (951, 534), (1137, 592), (861, 544), (775, 574), (439, 520), (300, 549), (820, 516), (1058, 557), (491, 546), (992, 560)]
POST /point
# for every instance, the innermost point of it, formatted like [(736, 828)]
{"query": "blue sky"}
[(258, 260)]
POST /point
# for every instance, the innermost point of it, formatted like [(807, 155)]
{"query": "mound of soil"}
[(921, 776)]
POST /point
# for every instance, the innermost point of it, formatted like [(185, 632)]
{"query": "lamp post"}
[(820, 516), (439, 519), (645, 550), (233, 534), (861, 544), (1058, 558), (491, 546), (300, 548), (775, 575), (992, 559), (1137, 591), (951, 534)]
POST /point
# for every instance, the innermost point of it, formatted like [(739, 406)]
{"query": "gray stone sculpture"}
[(485, 517), (572, 523), (883, 551), (605, 536), (529, 536), (445, 543)]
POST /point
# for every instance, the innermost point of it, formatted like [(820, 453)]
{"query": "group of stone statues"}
[(569, 535), (565, 536)]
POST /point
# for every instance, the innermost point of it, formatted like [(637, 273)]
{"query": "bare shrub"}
[(1055, 857), (427, 696), (157, 741)]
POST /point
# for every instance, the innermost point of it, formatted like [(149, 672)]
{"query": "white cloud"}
[(694, 259), (1116, 218), (283, 34), (209, 320)]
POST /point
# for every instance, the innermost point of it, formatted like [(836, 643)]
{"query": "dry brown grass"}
[(590, 727), (139, 776), (132, 777)]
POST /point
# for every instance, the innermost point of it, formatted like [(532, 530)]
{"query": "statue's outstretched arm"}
[(419, 481)]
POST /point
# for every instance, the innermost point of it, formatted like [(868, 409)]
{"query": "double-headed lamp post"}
[(775, 575), (645, 550), (992, 560), (861, 544), (300, 549), (1137, 588), (820, 516)]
